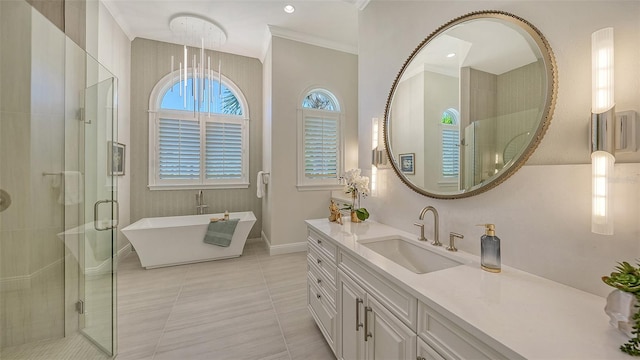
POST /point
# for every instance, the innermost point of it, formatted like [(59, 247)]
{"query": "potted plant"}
[(358, 187), (626, 279)]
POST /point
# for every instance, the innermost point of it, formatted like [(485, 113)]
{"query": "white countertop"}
[(512, 311)]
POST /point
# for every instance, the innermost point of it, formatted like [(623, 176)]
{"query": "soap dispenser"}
[(490, 249)]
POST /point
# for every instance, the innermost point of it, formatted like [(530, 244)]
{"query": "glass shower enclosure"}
[(58, 193)]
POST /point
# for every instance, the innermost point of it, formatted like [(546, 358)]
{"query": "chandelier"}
[(199, 33)]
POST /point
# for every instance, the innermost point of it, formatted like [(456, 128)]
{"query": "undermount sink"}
[(410, 256)]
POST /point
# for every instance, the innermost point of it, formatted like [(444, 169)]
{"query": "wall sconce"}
[(378, 156), (603, 140)]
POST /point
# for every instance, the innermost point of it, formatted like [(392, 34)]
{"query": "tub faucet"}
[(200, 206), (436, 220)]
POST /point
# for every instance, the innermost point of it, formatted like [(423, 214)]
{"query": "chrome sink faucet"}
[(436, 221), (200, 206)]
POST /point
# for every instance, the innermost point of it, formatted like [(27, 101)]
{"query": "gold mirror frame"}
[(549, 104)]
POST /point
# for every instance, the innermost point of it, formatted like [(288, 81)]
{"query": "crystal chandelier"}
[(200, 33)]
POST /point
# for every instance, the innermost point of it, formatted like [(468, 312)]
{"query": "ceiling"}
[(247, 23)]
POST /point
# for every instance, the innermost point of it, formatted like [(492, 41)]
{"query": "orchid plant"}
[(358, 186)]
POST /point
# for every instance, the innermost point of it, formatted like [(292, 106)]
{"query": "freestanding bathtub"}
[(176, 240)]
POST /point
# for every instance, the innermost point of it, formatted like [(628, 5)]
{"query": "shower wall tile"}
[(46, 249), (14, 255), (15, 154), (47, 67), (71, 291), (15, 67), (46, 303), (15, 317), (47, 141)]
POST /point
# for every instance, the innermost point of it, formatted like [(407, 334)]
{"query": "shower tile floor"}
[(251, 307)]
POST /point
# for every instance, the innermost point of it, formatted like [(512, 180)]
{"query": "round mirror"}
[(470, 105)]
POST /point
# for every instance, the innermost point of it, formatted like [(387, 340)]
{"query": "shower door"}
[(98, 254)]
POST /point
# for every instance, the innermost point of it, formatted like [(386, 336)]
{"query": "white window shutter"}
[(224, 150), (450, 152), (179, 149), (321, 146)]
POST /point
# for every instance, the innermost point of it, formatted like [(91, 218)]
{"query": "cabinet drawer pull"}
[(319, 261), (367, 334), (358, 323), (421, 358), (318, 296), (319, 281), (319, 241)]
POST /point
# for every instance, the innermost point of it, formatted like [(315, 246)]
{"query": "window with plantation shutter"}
[(198, 149), (320, 147), (179, 149), (450, 152), (224, 150), (319, 141), (450, 135)]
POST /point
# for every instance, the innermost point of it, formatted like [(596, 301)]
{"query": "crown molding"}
[(311, 39)]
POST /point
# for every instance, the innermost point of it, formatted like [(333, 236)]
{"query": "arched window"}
[(450, 134), (198, 141), (319, 139), (320, 99)]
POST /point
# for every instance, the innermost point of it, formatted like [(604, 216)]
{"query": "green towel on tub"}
[(220, 232)]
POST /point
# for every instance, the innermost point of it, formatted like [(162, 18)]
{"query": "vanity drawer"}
[(426, 352), (327, 247), (450, 340), (322, 312), (317, 277), (325, 266), (399, 302)]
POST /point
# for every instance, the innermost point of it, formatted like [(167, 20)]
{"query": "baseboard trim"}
[(284, 248), (126, 250), (23, 282)]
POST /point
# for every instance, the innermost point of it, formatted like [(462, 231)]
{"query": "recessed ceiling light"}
[(289, 9), (450, 55)]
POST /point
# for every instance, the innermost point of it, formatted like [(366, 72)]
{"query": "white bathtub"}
[(176, 240)]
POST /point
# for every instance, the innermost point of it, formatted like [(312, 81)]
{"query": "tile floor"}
[(251, 307)]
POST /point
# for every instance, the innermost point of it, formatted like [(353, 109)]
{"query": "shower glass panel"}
[(97, 279), (57, 125)]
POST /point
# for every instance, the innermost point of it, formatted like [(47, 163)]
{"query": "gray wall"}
[(296, 66), (150, 61)]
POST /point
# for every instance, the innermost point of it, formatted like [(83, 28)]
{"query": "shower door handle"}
[(114, 224)]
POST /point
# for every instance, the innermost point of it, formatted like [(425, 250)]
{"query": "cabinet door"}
[(387, 337), (351, 318), (426, 352)]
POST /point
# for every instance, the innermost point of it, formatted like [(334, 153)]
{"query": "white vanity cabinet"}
[(426, 352), (451, 341), (367, 330), (321, 284), (447, 314), (365, 316), (351, 303)]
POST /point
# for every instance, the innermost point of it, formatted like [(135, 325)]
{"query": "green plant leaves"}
[(362, 214), (627, 278)]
